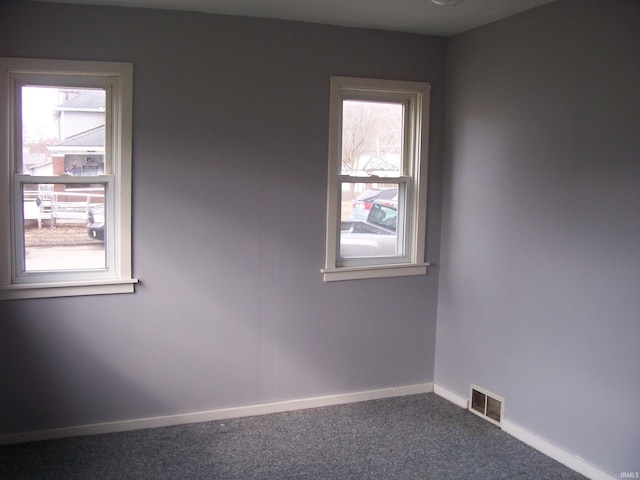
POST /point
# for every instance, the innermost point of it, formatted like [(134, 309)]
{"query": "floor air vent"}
[(486, 404)]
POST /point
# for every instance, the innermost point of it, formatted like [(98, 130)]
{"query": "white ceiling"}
[(418, 16)]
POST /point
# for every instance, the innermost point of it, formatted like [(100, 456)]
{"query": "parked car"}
[(95, 222), (363, 202), (374, 237)]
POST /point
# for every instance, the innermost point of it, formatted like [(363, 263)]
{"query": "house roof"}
[(90, 138), (388, 162), (86, 100)]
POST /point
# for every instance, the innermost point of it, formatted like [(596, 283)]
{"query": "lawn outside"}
[(71, 233)]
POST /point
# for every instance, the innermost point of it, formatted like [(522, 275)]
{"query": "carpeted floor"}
[(413, 437)]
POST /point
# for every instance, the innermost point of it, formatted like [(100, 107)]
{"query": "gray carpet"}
[(413, 437)]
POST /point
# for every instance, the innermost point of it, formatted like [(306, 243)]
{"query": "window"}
[(65, 171), (376, 202)]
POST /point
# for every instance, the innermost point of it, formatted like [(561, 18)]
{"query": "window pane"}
[(63, 131), (372, 138), (369, 214), (63, 226)]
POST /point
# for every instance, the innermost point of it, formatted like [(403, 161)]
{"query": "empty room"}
[(341, 239)]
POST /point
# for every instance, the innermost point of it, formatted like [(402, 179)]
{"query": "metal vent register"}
[(486, 404)]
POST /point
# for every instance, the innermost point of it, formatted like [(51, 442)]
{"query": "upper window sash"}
[(109, 85)]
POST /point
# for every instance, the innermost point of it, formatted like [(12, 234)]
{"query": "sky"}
[(37, 113)]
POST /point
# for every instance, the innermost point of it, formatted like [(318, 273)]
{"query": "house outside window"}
[(376, 194), (65, 217)]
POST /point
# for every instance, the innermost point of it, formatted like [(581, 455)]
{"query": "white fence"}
[(50, 205)]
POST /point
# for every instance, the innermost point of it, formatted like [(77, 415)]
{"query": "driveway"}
[(65, 257)]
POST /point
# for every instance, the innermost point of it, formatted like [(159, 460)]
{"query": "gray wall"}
[(540, 276), (230, 165)]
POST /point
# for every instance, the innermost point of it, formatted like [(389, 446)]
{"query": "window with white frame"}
[(377, 199), (65, 168)]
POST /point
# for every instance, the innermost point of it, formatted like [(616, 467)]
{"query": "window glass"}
[(63, 131), (369, 221), (63, 227), (371, 138), (358, 198)]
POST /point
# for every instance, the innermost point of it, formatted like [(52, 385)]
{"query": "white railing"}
[(59, 205)]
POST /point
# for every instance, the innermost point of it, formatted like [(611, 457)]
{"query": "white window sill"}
[(67, 289), (374, 271)]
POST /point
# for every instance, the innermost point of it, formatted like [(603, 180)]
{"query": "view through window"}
[(372, 144), (63, 134)]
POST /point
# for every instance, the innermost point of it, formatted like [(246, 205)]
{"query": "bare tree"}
[(369, 128)]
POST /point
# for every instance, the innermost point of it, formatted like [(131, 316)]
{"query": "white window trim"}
[(415, 94), (117, 278)]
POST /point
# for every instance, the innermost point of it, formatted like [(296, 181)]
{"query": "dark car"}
[(375, 237), (95, 222), (363, 202), (384, 214)]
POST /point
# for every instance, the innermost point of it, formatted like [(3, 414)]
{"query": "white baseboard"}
[(452, 397), (211, 415), (567, 459), (574, 462)]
